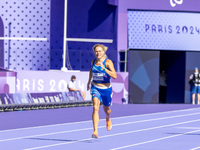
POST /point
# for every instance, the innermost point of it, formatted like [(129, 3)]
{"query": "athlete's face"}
[(99, 52)]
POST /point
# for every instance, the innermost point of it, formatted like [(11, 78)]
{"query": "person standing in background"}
[(194, 79), (163, 87)]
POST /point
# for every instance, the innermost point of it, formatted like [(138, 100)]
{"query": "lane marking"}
[(190, 109), (117, 134), (155, 140), (61, 132), (133, 122), (155, 119), (188, 128), (166, 112), (195, 148)]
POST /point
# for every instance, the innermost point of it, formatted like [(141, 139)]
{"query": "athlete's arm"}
[(111, 70), (90, 76)]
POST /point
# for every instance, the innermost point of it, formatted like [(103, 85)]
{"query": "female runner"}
[(101, 71)]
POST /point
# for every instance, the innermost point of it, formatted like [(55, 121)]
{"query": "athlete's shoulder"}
[(108, 61)]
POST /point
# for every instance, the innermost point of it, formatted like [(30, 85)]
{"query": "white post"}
[(64, 39)]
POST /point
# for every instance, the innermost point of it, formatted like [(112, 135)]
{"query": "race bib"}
[(98, 76)]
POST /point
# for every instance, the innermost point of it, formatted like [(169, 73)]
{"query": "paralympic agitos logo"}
[(174, 2)]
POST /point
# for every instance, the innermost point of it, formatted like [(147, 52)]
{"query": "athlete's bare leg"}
[(107, 111), (95, 114)]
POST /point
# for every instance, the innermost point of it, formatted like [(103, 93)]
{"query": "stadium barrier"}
[(35, 101)]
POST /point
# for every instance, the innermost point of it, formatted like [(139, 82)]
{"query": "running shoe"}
[(95, 134), (108, 125)]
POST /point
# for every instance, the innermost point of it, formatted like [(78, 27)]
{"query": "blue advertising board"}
[(163, 30)]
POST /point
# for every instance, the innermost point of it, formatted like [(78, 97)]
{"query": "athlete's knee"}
[(107, 110), (95, 108)]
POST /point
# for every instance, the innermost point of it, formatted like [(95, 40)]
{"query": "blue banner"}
[(37, 98)]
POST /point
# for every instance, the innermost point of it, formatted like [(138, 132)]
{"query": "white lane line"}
[(166, 112), (155, 119), (61, 132), (117, 134), (62, 124), (195, 128), (120, 124), (155, 140), (174, 111), (195, 148)]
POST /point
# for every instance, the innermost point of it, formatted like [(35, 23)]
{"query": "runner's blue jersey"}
[(99, 75)]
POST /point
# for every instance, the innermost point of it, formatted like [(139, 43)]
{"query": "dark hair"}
[(73, 77)]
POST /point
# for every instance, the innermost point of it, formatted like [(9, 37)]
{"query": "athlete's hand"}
[(88, 86), (101, 64)]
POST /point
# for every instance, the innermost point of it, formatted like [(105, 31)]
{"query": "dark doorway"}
[(173, 63), (163, 76)]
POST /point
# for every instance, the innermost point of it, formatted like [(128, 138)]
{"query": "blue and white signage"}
[(158, 30), (175, 2)]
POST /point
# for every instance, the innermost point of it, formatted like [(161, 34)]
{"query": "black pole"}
[(9, 35)]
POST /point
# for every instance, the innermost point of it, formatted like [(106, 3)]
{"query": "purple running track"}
[(24, 119), (141, 128)]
